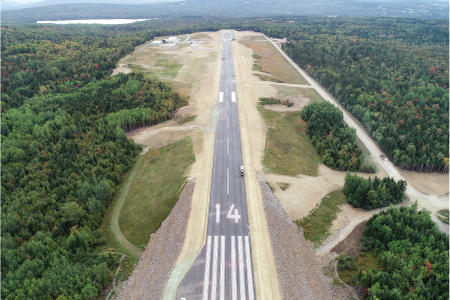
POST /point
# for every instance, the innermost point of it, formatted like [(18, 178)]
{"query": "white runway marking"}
[(214, 269), (241, 268), (228, 181), (233, 269), (228, 146), (233, 97), (217, 213), (222, 268), (251, 295), (207, 265), (221, 97)]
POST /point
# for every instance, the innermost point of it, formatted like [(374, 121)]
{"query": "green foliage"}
[(333, 139), (411, 252), (370, 194), (268, 101), (63, 154)]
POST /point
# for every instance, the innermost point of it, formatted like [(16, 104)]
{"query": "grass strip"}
[(288, 149), (317, 224), (155, 190), (443, 215)]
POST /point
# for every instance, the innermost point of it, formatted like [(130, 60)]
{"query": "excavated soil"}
[(349, 245)]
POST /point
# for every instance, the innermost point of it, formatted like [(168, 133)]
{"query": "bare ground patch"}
[(349, 245), (428, 183)]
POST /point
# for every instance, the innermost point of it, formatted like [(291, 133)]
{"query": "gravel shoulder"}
[(300, 273)]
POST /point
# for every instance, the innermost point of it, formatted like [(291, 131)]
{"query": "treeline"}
[(333, 139), (411, 252), (61, 159), (396, 86), (370, 194)]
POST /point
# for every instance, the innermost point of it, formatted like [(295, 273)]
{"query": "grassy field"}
[(155, 190), (269, 60), (443, 215), (317, 224), (288, 149)]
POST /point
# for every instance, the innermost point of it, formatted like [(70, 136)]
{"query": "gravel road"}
[(300, 273), (156, 263)]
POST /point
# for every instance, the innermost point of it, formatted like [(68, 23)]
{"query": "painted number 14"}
[(232, 214)]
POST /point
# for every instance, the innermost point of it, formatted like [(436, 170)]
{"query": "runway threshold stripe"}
[(222, 267), (241, 269), (214, 269), (233, 96), (251, 295), (207, 266), (221, 97), (233, 269)]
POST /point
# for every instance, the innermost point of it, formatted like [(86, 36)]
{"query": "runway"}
[(223, 270)]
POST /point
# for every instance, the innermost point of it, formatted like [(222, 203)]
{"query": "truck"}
[(242, 170)]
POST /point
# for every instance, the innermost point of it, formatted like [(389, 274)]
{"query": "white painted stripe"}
[(233, 269), (241, 268), (251, 295), (214, 268), (207, 265), (228, 146), (222, 268), (228, 181), (217, 213), (233, 97), (221, 97)]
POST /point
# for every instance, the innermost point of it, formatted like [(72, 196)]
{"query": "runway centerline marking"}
[(228, 181), (228, 146)]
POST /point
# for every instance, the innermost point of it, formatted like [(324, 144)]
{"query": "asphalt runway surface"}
[(223, 270)]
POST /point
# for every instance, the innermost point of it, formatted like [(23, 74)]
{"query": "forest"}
[(396, 85), (370, 194), (333, 139), (412, 254), (64, 151)]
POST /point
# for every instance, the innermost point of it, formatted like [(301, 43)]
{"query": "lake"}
[(98, 21)]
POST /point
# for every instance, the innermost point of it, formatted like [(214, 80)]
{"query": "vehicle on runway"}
[(242, 170)]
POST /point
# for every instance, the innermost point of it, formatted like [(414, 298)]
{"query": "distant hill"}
[(9, 5), (94, 9)]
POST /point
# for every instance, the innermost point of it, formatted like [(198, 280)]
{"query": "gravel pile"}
[(300, 274), (156, 263)]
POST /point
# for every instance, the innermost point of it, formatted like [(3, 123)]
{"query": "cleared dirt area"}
[(428, 183), (349, 245), (305, 192)]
